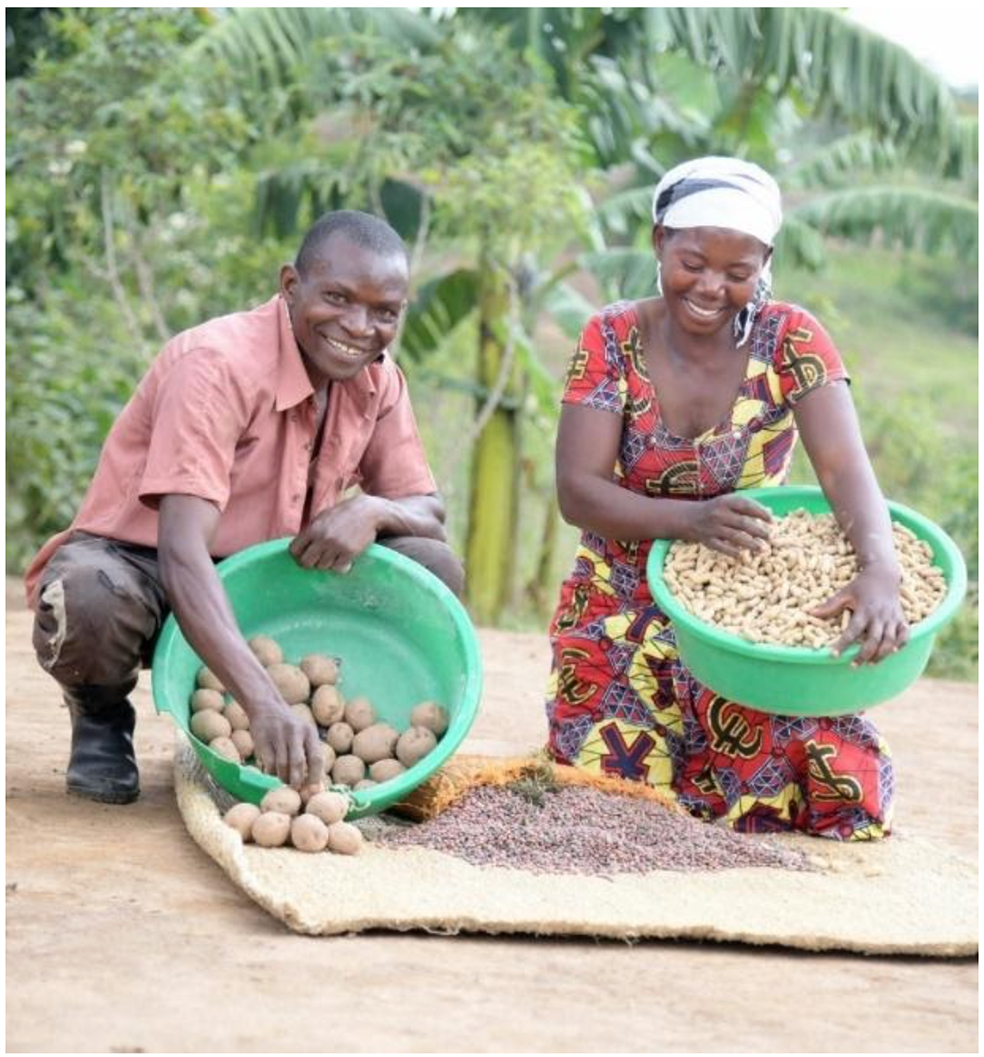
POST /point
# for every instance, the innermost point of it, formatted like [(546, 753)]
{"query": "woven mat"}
[(900, 896)]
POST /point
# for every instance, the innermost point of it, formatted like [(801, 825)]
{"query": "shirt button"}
[(296, 497)]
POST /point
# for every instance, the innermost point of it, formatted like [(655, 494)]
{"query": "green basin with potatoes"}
[(401, 635), (795, 680)]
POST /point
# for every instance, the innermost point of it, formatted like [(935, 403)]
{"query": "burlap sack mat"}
[(901, 896)]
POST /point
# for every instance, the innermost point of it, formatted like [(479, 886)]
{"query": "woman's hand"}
[(338, 535), (876, 619), (729, 523)]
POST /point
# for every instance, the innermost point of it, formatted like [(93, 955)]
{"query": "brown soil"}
[(122, 936)]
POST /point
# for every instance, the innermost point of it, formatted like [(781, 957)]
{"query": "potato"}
[(414, 744), (304, 712), (210, 724), (377, 742), (308, 833), (329, 807), (241, 817), (319, 669), (267, 650), (225, 747), (271, 829), (327, 705), (243, 741), (208, 680), (359, 714), (366, 783), (344, 838), (308, 791), (291, 682), (429, 714), (203, 700), (384, 770), (329, 755), (282, 800), (348, 770), (339, 737), (236, 714)]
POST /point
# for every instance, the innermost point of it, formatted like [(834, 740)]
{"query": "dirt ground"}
[(122, 936)]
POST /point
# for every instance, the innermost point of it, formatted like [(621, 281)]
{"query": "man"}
[(246, 428)]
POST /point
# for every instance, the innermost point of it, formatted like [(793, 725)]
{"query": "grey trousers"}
[(101, 606)]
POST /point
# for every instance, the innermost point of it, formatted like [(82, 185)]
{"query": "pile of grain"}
[(584, 831)]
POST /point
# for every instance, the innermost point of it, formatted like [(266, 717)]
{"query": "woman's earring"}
[(659, 280), (746, 317)]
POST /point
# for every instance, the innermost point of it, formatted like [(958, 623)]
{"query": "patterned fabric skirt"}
[(620, 702)]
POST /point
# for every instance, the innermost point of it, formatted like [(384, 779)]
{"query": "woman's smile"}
[(701, 312)]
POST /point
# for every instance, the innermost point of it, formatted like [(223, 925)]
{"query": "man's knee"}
[(434, 555), (92, 625)]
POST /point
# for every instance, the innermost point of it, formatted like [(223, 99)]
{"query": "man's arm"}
[(338, 535), (285, 744)]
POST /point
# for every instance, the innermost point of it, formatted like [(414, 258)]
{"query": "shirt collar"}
[(294, 385)]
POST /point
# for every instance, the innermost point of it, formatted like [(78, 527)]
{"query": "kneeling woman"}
[(672, 406)]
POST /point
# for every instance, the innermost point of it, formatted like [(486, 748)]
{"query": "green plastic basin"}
[(794, 680), (402, 636)]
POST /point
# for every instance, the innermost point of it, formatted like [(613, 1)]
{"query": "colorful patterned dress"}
[(620, 702)]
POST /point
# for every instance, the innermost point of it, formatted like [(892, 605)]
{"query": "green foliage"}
[(912, 217), (68, 375), (162, 164)]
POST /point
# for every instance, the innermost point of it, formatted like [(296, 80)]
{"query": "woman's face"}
[(708, 274)]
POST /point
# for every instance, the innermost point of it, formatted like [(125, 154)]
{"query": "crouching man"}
[(246, 428)]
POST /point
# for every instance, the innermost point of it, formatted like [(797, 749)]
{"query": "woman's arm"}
[(832, 438), (285, 744), (587, 448)]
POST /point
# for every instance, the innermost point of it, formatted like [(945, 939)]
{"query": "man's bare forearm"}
[(416, 515)]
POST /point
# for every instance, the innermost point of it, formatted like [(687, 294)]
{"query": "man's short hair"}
[(363, 229)]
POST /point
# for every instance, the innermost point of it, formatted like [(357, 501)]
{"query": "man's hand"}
[(286, 745), (338, 535)]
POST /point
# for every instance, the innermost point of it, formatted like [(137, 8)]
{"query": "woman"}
[(672, 406)]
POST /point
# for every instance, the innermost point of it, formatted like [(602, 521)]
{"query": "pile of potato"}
[(360, 752), (279, 820), (766, 596)]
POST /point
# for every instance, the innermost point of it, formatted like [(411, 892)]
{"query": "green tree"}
[(147, 191)]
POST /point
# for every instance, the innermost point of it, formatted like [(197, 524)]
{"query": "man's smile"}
[(347, 350)]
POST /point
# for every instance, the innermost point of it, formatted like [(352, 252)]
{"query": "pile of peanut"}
[(359, 750), (766, 596)]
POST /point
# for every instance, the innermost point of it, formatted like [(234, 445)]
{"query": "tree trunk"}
[(492, 511), (542, 589)]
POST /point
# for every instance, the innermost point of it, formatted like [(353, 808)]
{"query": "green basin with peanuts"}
[(401, 635), (795, 680)]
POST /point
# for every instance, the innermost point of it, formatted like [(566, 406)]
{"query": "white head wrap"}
[(720, 193), (717, 192)]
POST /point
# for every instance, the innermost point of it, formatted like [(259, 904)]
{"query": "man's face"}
[(346, 308)]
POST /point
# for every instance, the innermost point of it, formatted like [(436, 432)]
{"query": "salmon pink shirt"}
[(227, 413)]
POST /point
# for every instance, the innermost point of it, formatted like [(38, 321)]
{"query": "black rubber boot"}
[(102, 766)]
